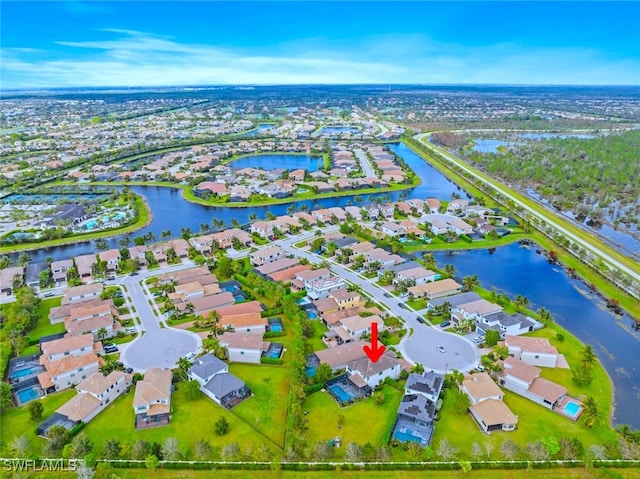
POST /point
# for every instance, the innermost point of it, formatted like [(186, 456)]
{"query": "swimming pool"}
[(28, 394), (312, 315), (23, 372), (276, 328), (571, 409), (304, 300), (342, 395), (238, 298), (311, 371), (407, 436), (274, 351)]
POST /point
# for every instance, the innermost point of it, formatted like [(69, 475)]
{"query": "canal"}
[(511, 269)]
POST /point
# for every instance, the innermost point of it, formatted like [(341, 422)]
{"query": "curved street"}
[(157, 345), (420, 344)]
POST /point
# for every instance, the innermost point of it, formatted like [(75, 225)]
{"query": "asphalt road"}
[(157, 346), (419, 346), (364, 163), (545, 216)]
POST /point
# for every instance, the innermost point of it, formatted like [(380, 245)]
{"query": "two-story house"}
[(152, 399), (487, 407), (68, 361), (217, 383)]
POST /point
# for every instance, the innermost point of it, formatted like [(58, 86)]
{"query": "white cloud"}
[(137, 58)]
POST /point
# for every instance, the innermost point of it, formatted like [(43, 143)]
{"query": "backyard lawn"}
[(44, 327), (266, 411), (191, 420), (314, 343), (16, 421), (364, 421), (534, 423)]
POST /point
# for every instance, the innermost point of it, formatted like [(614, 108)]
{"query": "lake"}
[(511, 269), (279, 161), (517, 269)]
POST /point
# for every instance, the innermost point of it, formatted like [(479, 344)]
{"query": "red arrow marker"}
[(374, 352)]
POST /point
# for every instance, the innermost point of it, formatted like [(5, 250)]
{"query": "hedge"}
[(271, 312), (308, 390), (274, 334), (266, 360)]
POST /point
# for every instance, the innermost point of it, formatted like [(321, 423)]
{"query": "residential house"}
[(252, 322), (68, 361), (388, 366), (243, 347), (504, 323), (266, 255), (487, 407), (395, 230), (414, 276), (94, 394), (535, 351), (356, 326), (111, 257), (84, 264), (217, 383), (429, 384), (436, 289), (524, 379), (346, 299), (139, 252), (321, 288), (7, 276), (59, 271), (152, 399), (84, 292)]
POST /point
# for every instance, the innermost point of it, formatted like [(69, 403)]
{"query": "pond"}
[(279, 161), (261, 128), (516, 269), (339, 130)]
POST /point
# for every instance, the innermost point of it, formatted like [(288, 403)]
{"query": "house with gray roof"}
[(429, 384), (217, 383)]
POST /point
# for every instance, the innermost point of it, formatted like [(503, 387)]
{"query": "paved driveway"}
[(421, 345), (156, 347)]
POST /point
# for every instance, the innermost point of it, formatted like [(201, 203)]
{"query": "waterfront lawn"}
[(44, 326), (535, 422), (266, 410), (600, 388), (190, 421), (16, 421), (364, 421)]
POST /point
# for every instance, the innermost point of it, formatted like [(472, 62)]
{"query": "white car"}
[(440, 348)]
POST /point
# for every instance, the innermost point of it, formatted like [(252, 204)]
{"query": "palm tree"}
[(449, 269), (468, 282), (204, 227), (417, 368), (520, 301), (545, 315), (235, 223), (183, 367), (591, 412), (253, 216), (165, 234), (102, 333), (24, 259), (588, 356)]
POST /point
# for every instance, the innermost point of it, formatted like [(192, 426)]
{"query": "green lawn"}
[(16, 421), (44, 326), (266, 411), (428, 474), (314, 343), (364, 421), (191, 420)]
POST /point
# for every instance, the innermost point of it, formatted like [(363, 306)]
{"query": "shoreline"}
[(79, 239)]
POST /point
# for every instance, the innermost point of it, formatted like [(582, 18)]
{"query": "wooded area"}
[(597, 179)]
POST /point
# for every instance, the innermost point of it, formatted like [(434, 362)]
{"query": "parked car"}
[(420, 320), (387, 295), (478, 339), (444, 324), (440, 348), (402, 305), (128, 370), (108, 345)]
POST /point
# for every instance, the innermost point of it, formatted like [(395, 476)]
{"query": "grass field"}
[(266, 411), (44, 326), (16, 421), (364, 421), (191, 420)]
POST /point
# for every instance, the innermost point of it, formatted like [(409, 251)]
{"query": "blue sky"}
[(87, 43)]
